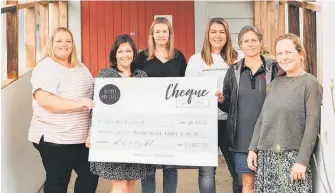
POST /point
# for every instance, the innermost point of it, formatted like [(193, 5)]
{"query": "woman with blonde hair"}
[(62, 98), (216, 56), (286, 130), (161, 59)]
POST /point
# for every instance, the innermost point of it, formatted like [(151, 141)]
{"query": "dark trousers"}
[(59, 160), (228, 155)]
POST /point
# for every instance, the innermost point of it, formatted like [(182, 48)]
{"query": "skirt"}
[(122, 171), (274, 170)]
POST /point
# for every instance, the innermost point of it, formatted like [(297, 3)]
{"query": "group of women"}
[(268, 110)]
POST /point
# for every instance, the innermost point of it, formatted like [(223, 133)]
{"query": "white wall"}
[(328, 72), (21, 167)]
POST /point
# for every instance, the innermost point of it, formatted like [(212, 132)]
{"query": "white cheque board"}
[(169, 121)]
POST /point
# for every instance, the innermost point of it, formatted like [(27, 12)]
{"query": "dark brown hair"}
[(120, 39)]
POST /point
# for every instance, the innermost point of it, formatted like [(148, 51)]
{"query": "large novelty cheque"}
[(169, 121)]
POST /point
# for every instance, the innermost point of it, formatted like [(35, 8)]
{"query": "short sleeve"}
[(44, 77)]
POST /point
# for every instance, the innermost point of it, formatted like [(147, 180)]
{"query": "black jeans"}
[(59, 160), (228, 155)]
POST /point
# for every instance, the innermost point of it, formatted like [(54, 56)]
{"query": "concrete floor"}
[(187, 181)]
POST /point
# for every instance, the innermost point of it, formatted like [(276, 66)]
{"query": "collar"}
[(262, 67)]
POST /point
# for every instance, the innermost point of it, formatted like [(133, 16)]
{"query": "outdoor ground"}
[(187, 181)]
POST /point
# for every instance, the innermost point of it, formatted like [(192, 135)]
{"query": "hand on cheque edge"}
[(220, 97), (88, 140)]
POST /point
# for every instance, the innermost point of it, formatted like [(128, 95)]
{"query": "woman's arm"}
[(255, 137), (313, 98), (45, 83), (56, 104)]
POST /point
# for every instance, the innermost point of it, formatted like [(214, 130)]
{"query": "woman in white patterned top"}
[(62, 99)]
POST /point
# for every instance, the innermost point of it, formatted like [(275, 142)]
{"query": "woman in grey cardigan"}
[(286, 130)]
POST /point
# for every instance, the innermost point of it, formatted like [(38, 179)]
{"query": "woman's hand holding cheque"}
[(220, 97)]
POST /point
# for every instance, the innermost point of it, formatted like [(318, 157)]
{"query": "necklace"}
[(285, 85)]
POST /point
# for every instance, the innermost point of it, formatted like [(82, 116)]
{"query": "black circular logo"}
[(109, 94)]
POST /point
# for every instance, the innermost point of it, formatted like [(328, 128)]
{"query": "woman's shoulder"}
[(313, 86), (196, 60), (46, 66), (311, 80), (140, 74), (83, 66), (46, 62), (196, 56), (178, 53), (107, 72), (141, 58), (236, 65), (143, 53)]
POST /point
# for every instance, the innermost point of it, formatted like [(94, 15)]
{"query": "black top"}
[(156, 68), (252, 91)]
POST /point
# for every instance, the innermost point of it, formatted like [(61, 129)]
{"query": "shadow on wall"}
[(21, 166)]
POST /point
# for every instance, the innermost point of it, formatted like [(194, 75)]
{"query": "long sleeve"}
[(313, 98), (256, 134), (226, 90)]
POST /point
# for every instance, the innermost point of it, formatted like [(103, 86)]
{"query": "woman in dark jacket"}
[(244, 91)]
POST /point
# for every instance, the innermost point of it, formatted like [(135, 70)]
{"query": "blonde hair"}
[(48, 50), (299, 46), (228, 53), (151, 42)]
